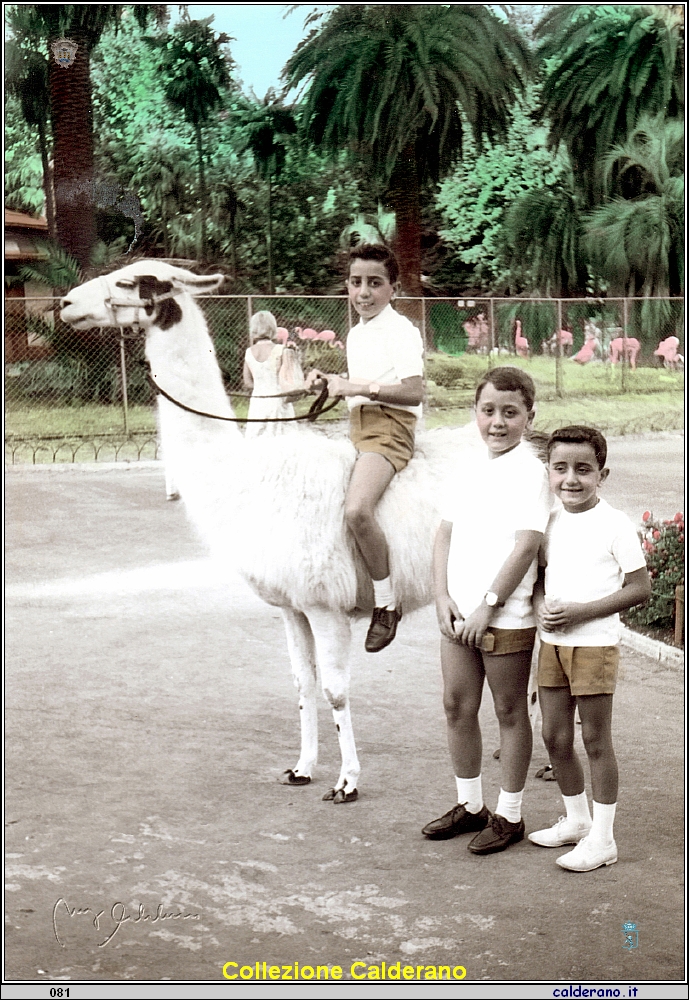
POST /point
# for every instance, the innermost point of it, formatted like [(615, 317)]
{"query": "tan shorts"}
[(384, 429), (509, 640), (583, 669)]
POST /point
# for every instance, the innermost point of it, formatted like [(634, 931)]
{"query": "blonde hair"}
[(263, 326)]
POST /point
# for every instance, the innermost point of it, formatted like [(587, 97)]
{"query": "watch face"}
[(491, 599)]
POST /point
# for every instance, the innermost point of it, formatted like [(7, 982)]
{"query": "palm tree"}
[(70, 105), (197, 72), (543, 243), (386, 82), (605, 66), (637, 238), (267, 126)]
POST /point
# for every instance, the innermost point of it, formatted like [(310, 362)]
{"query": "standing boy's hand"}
[(470, 631), (561, 614), (448, 616)]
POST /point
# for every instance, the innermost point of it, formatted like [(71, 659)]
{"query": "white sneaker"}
[(588, 855), (565, 831)]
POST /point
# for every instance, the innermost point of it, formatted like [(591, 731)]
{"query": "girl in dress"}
[(264, 362)]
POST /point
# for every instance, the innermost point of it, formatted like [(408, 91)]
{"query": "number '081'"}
[(58, 991)]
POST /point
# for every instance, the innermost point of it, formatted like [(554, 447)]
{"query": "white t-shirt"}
[(385, 350), (488, 502), (587, 557)]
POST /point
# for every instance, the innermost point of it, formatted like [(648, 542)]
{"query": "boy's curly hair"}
[(507, 378), (577, 434), (375, 251)]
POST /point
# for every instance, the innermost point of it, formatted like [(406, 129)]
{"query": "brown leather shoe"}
[(497, 835), (456, 821), (382, 629)]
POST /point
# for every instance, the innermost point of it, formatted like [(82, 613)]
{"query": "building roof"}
[(19, 220)]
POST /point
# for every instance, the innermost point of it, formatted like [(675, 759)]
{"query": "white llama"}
[(304, 561)]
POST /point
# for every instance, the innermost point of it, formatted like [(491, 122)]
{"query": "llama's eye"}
[(125, 284)]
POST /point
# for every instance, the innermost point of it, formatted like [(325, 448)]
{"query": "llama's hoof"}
[(288, 777), (546, 773), (496, 754), (338, 795), (172, 496)]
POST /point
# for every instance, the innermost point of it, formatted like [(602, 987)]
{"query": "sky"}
[(265, 38)]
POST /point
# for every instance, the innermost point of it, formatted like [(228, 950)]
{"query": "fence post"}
[(123, 377), (679, 613), (625, 319), (423, 326), (558, 356), (249, 309), (349, 314)]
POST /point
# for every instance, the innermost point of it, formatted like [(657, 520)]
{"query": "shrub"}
[(663, 545)]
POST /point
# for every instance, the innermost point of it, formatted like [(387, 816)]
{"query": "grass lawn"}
[(654, 401), (630, 414)]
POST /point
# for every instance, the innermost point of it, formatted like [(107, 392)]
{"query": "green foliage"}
[(195, 68), (663, 545), (476, 196), (604, 66), (23, 170), (636, 240), (384, 75)]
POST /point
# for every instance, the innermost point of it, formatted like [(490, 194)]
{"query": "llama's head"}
[(143, 294)]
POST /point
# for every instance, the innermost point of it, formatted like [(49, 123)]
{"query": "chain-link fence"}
[(83, 395)]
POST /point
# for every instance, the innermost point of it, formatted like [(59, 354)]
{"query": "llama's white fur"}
[(274, 506)]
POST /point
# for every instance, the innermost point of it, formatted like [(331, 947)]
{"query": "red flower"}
[(656, 535), (646, 516), (678, 517)]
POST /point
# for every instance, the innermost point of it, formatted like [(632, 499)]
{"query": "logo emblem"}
[(65, 52), (631, 935)]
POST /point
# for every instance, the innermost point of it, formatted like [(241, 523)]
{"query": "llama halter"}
[(113, 303)]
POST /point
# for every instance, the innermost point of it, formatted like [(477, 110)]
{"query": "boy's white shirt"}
[(384, 350), (587, 557), (487, 503)]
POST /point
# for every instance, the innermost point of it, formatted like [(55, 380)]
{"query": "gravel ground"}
[(150, 709)]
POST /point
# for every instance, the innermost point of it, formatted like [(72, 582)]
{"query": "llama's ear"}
[(201, 284)]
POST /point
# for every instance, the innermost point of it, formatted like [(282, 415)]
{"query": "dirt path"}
[(150, 710)]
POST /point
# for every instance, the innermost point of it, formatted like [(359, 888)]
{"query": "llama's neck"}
[(183, 363)]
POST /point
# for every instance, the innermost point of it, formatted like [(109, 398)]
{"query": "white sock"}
[(577, 807), (603, 819), (510, 805), (470, 793), (383, 596)]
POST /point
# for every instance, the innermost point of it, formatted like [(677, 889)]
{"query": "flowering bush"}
[(663, 545)]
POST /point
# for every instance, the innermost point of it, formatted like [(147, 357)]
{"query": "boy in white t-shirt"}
[(384, 389), (594, 568), (484, 568)]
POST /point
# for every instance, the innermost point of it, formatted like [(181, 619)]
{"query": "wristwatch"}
[(492, 601), (373, 390)]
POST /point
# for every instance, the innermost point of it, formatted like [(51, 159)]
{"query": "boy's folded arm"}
[(636, 589)]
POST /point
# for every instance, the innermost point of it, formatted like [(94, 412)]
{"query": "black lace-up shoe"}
[(382, 629), (498, 834), (457, 820)]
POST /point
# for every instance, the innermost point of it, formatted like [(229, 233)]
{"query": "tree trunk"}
[(72, 118), (47, 180), (404, 195), (269, 236), (202, 192)]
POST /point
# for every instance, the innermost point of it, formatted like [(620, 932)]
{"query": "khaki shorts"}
[(583, 669), (509, 640), (384, 429)]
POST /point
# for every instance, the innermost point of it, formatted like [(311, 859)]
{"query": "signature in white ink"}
[(118, 914)]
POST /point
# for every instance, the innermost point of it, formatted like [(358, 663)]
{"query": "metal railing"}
[(65, 388)]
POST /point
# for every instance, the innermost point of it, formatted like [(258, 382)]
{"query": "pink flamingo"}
[(521, 343), (327, 335), (667, 350), (627, 347), (282, 335), (307, 334)]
